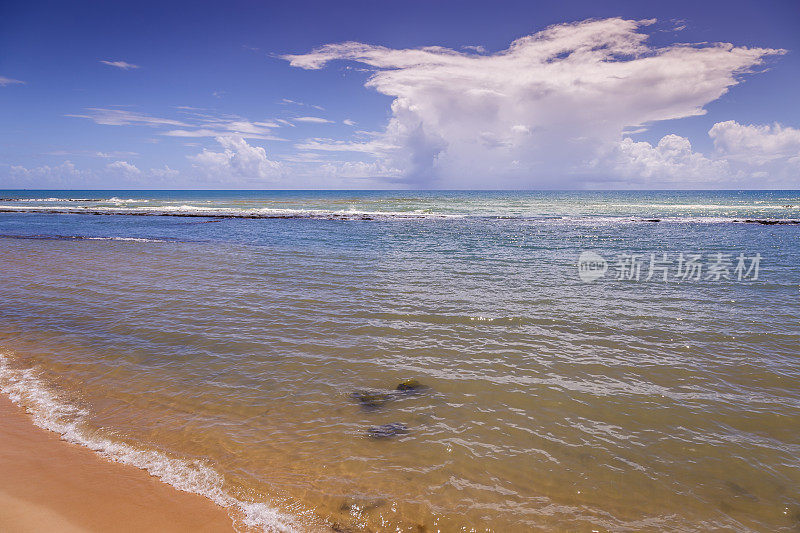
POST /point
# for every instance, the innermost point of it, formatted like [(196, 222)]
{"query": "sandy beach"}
[(51, 485)]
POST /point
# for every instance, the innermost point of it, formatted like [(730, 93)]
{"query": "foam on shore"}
[(25, 389)]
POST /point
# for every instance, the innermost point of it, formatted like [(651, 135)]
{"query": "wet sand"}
[(47, 484)]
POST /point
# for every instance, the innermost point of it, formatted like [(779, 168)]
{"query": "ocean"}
[(581, 361)]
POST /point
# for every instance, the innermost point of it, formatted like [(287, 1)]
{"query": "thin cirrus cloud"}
[(124, 65), (552, 109), (313, 120), (123, 117), (10, 81), (301, 104), (193, 124), (374, 147), (93, 153)]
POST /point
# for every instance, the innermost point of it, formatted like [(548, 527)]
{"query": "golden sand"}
[(47, 484)]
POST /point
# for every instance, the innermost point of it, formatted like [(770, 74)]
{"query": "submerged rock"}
[(740, 492), (770, 222), (374, 399), (409, 385), (371, 399), (386, 431)]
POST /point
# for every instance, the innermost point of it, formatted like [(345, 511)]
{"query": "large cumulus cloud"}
[(553, 105)]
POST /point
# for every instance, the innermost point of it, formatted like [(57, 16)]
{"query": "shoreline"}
[(49, 484)]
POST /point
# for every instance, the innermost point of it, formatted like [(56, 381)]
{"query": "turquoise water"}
[(217, 338)]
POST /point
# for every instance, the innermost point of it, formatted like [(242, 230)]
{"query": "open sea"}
[(248, 346)]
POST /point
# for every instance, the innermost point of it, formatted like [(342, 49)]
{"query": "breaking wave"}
[(49, 412), (189, 211)]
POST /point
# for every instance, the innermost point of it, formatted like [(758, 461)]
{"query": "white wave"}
[(180, 208), (709, 206), (298, 213), (24, 388), (80, 238), (40, 200), (580, 219), (33, 207), (115, 200), (266, 212), (128, 239), (112, 200)]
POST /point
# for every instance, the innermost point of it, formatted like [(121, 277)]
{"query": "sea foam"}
[(49, 412)]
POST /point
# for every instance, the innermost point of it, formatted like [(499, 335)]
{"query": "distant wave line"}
[(378, 216), (48, 237)]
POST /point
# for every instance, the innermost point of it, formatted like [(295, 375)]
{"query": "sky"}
[(400, 95)]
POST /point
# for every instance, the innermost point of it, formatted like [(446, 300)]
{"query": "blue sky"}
[(265, 95)]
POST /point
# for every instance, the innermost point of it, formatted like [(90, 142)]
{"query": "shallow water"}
[(221, 351)]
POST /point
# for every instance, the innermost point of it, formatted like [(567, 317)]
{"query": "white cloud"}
[(67, 176), (671, 162), (61, 176), (313, 120), (124, 168), (549, 107), (747, 156), (358, 170), (295, 102), (193, 133), (238, 163), (348, 122), (246, 132), (10, 81), (93, 153), (374, 147), (477, 49), (120, 64), (164, 174), (111, 155), (192, 124), (123, 117), (755, 144)]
